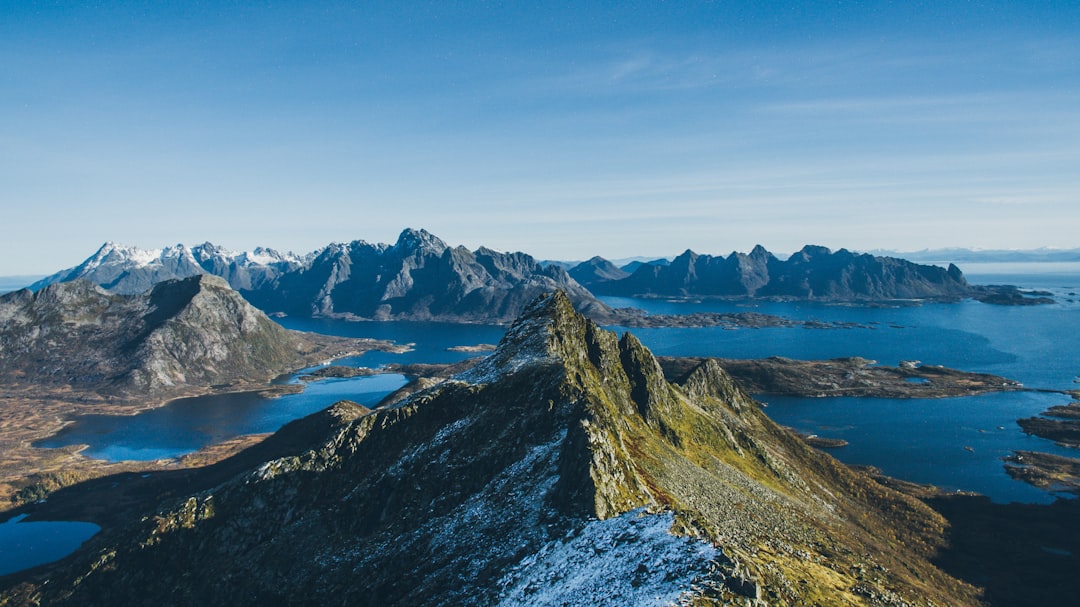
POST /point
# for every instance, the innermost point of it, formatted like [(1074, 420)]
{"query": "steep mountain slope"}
[(189, 332), (548, 474), (812, 273)]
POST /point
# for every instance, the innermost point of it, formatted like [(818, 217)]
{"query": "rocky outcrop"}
[(851, 376), (1060, 423), (563, 468), (181, 334)]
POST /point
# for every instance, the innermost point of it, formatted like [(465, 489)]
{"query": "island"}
[(851, 376)]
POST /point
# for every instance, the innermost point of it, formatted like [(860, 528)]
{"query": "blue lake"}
[(24, 545), (188, 424)]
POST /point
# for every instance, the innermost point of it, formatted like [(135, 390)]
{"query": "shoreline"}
[(29, 414)]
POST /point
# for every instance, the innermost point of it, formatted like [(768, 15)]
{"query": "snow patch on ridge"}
[(632, 559)]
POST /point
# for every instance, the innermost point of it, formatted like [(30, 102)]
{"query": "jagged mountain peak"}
[(419, 240), (418, 278), (812, 251)]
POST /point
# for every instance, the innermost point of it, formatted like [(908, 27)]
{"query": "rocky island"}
[(852, 376), (1060, 424)]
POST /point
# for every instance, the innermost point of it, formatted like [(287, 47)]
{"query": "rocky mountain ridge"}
[(419, 277), (563, 467), (811, 273)]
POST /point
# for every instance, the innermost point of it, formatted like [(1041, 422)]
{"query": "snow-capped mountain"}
[(130, 270)]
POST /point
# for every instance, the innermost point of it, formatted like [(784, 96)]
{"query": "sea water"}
[(1030, 344), (954, 443)]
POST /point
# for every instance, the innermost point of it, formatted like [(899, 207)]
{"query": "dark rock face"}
[(812, 273), (549, 473), (417, 278), (192, 331)]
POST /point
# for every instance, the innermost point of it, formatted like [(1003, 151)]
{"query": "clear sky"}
[(561, 129)]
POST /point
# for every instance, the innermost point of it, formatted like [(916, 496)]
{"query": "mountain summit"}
[(562, 469), (181, 333)]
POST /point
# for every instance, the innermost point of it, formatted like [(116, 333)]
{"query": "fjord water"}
[(954, 443)]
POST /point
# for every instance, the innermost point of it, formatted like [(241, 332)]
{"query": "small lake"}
[(188, 424), (27, 545)]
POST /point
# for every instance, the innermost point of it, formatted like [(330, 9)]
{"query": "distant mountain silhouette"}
[(812, 273)]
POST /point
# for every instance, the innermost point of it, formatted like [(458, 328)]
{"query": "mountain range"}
[(420, 277), (812, 273), (562, 469)]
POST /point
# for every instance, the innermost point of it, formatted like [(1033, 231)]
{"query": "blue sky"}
[(561, 129)]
